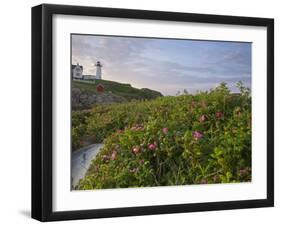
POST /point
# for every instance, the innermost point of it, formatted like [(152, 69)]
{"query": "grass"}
[(125, 90)]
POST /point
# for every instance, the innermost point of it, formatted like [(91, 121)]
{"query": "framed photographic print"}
[(145, 112)]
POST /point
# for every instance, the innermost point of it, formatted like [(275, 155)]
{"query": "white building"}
[(89, 77), (77, 72)]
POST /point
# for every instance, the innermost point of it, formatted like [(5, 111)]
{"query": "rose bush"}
[(188, 139)]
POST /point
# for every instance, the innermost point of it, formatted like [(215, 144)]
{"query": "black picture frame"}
[(42, 107)]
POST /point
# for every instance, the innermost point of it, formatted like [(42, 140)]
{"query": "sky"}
[(165, 65)]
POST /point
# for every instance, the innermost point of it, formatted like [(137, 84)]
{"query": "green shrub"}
[(187, 139)]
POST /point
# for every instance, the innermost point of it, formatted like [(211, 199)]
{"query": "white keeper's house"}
[(77, 72)]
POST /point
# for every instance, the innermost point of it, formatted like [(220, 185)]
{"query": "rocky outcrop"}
[(82, 100)]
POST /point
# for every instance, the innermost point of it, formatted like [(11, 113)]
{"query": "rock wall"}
[(83, 100)]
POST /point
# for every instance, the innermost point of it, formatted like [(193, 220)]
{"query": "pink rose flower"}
[(113, 155), (197, 135), (136, 150), (203, 118), (152, 147), (219, 115), (165, 130)]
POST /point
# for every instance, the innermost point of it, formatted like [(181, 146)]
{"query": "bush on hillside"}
[(188, 139)]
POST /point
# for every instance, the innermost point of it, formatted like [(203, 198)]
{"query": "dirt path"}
[(81, 160)]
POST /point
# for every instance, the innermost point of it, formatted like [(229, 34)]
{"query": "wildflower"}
[(203, 118), (134, 170), (105, 158), (165, 130), (219, 115), (113, 155), (137, 127), (136, 150), (197, 135), (152, 147)]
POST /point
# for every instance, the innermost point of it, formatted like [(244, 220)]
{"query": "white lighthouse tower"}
[(98, 72)]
